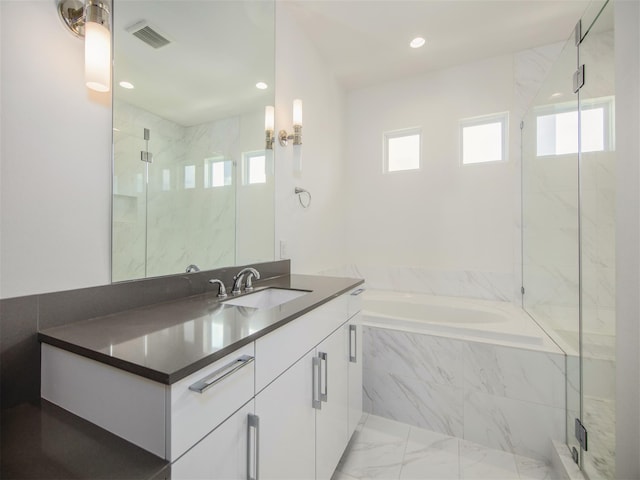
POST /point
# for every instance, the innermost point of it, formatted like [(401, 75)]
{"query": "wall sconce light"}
[(297, 126), (269, 126), (91, 21)]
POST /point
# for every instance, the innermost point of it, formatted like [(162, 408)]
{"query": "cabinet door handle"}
[(253, 447), (316, 384), (357, 292), (324, 357), (209, 381), (353, 344)]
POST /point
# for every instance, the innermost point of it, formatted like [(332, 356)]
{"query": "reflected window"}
[(484, 139), (218, 172), (402, 150), (189, 176), (254, 168), (557, 128), (166, 180)]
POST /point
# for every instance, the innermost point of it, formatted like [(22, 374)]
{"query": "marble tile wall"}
[(502, 397), (472, 284), (161, 222)]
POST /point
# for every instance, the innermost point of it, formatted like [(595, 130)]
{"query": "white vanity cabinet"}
[(223, 454), (166, 420), (281, 407), (332, 424), (354, 347), (287, 424)]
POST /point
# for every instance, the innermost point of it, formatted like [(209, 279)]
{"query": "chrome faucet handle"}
[(237, 283), (237, 280), (222, 291), (192, 268), (251, 274)]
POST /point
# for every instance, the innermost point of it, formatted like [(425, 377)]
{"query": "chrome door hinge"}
[(578, 32), (522, 290), (146, 155), (581, 434), (578, 79), (521, 124)]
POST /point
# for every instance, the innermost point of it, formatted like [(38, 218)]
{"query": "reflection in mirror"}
[(192, 181)]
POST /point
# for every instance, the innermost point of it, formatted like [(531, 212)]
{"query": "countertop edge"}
[(173, 377)]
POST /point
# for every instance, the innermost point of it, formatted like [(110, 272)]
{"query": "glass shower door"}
[(550, 232), (597, 220)]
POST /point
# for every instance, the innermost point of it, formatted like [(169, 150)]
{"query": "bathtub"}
[(468, 319), (473, 369)]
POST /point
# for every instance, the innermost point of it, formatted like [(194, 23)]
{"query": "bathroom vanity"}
[(221, 388)]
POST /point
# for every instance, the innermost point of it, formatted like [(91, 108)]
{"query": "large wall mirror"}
[(192, 180)]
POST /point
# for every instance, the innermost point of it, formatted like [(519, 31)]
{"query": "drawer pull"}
[(353, 344), (357, 292), (324, 396), (253, 448), (209, 381), (316, 401)]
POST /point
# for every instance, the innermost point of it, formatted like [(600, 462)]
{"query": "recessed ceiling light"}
[(127, 85), (261, 85), (417, 42)]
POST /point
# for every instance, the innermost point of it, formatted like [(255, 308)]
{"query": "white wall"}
[(314, 236), (627, 23), (445, 219), (56, 158)]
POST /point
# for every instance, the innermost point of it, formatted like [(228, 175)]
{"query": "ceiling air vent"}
[(147, 34)]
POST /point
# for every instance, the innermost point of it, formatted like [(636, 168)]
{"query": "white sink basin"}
[(265, 299)]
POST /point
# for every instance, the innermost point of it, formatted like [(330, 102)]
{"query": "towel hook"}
[(299, 191)]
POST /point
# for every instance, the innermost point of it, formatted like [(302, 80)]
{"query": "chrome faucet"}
[(192, 268), (222, 291), (237, 280)]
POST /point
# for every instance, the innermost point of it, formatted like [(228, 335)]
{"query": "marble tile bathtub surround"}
[(22, 317), (471, 284), (502, 397)]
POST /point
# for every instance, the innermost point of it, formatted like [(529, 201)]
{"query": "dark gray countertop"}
[(168, 341), (43, 441)]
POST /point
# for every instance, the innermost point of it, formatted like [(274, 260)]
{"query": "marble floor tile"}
[(532, 469), (387, 449), (376, 451), (478, 462), (430, 455)]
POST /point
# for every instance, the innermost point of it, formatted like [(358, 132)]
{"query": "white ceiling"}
[(366, 41), (220, 49)]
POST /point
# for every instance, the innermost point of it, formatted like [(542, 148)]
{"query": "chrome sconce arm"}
[(284, 138)]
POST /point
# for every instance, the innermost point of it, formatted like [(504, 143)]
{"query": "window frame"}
[(500, 117), (208, 171), (404, 132), (245, 170), (608, 105)]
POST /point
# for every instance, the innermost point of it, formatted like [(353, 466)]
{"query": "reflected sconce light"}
[(269, 126), (283, 137), (91, 21)]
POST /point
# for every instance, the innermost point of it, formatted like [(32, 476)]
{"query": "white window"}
[(557, 128), (254, 167), (218, 172), (402, 150), (484, 139)]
